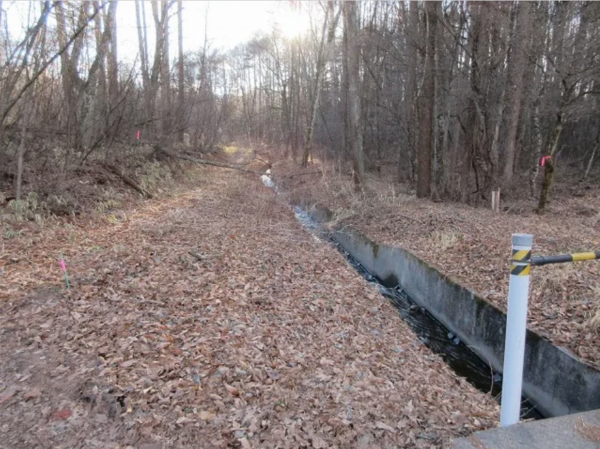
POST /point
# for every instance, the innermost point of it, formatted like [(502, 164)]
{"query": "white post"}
[(516, 327)]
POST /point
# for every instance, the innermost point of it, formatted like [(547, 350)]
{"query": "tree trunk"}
[(314, 105), (180, 70), (354, 101), (410, 109), (516, 69), (157, 71), (140, 14), (21, 150), (427, 104), (345, 156), (113, 67), (69, 77), (550, 164), (165, 85), (591, 161)]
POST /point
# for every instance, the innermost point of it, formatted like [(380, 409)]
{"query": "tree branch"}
[(48, 63)]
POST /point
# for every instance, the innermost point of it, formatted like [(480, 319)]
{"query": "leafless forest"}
[(460, 98)]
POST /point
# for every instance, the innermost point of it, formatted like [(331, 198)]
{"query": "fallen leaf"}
[(384, 426), (32, 394), (47, 324), (184, 420), (150, 446), (61, 415), (8, 393), (232, 390), (206, 415), (319, 443)]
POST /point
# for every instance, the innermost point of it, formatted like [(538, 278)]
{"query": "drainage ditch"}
[(428, 329)]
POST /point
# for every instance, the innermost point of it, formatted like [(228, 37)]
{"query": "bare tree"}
[(427, 103), (354, 106)]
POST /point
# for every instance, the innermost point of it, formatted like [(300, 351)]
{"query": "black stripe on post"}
[(520, 270)]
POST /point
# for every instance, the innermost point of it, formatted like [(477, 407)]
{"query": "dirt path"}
[(264, 338)]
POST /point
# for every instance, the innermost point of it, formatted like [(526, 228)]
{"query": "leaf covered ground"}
[(473, 246), (211, 319)]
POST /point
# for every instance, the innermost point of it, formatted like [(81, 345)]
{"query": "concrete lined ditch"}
[(467, 331), (427, 328)]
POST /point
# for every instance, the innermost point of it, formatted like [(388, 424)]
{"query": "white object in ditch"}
[(266, 179), (516, 329)]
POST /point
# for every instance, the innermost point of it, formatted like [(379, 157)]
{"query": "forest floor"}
[(211, 318), (473, 245)]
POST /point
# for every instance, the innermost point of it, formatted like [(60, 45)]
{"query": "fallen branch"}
[(213, 163), (318, 172), (127, 180), (196, 255)]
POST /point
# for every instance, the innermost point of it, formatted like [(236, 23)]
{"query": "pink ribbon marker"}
[(138, 134), (63, 266), (543, 161)]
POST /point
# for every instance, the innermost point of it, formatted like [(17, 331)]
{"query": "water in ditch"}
[(430, 331)]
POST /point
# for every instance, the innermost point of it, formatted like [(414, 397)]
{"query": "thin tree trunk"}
[(549, 165), (344, 100), (180, 68), (354, 102), (68, 79), (21, 150), (166, 71), (427, 104), (324, 47), (113, 67), (591, 161), (143, 49), (410, 110), (516, 69)]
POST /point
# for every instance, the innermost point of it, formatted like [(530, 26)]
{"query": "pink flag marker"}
[(138, 134), (63, 267)]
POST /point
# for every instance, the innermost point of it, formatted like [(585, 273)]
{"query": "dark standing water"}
[(430, 331)]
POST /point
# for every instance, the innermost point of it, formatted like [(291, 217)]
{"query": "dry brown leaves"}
[(472, 246), (264, 338)]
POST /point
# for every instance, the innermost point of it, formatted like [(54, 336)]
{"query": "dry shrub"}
[(155, 176), (445, 239), (594, 322)]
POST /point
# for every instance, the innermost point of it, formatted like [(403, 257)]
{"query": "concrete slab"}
[(578, 431)]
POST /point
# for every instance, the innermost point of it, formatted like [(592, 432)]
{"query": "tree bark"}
[(550, 165), (113, 66), (326, 40), (410, 109), (180, 69), (427, 104), (142, 42), (354, 100), (514, 99)]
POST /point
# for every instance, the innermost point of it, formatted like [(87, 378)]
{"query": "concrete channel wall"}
[(555, 381)]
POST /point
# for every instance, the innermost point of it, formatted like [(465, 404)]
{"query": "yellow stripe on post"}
[(583, 256), (522, 255)]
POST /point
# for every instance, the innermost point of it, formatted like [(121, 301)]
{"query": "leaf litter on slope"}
[(269, 339)]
